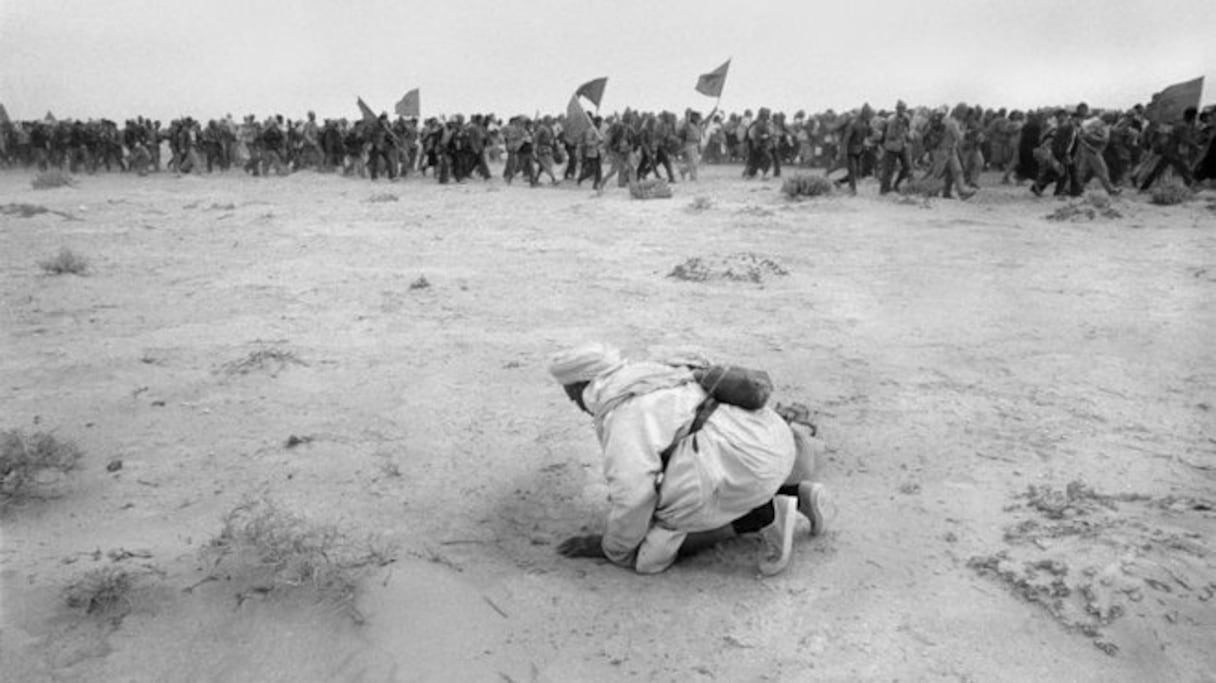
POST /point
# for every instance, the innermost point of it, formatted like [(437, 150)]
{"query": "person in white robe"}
[(673, 489)]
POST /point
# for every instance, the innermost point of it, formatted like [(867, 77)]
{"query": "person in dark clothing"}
[(378, 157), (1178, 153)]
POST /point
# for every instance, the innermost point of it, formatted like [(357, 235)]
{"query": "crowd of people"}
[(1063, 148)]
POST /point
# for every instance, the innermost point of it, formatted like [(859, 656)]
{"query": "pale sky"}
[(165, 58)]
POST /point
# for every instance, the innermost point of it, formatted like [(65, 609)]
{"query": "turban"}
[(583, 363)]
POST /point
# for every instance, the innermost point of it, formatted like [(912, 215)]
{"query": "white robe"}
[(735, 463)]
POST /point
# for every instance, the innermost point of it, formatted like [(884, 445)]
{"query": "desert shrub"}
[(922, 187), (804, 185), (739, 267), (51, 179), (273, 360), (104, 591), (653, 188), (23, 210), (25, 457), (270, 549), (1171, 192), (66, 261), (700, 204)]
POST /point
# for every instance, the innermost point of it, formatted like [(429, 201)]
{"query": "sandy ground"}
[(969, 361)]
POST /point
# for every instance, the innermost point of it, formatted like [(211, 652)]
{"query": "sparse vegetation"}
[(700, 204), (65, 262), (922, 187), (267, 549), (382, 197), (25, 458), (275, 360), (740, 267), (23, 210), (51, 179), (420, 283), (1172, 192), (806, 185), (652, 188), (104, 592)]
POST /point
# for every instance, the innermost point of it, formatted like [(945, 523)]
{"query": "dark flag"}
[(593, 90), (712, 82), (577, 122), (410, 105), (368, 114), (1167, 106)]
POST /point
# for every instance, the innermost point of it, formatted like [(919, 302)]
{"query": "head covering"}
[(583, 363)]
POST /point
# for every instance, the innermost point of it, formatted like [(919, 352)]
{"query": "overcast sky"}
[(163, 58)]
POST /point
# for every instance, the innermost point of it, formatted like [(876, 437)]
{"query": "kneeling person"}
[(673, 488)]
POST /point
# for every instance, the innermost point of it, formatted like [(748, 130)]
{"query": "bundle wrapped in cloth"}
[(736, 386)]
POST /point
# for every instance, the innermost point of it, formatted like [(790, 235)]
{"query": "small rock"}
[(114, 465)]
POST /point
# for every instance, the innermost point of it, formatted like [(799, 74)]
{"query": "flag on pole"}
[(593, 90), (368, 114), (410, 105), (712, 82), (1167, 106), (577, 121)]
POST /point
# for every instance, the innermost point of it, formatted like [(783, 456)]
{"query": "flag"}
[(368, 114), (410, 105), (1167, 106), (712, 82), (593, 90), (577, 122)]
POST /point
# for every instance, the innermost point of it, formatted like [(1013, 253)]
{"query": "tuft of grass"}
[(23, 210), (700, 204), (383, 197), (805, 185), (922, 187), (268, 549), (51, 179), (420, 283), (275, 360), (1172, 192), (104, 592), (651, 188), (65, 262), (24, 458)]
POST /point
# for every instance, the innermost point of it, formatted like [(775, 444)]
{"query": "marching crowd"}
[(1064, 148)]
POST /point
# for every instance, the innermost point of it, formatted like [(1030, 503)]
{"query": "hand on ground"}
[(582, 546)]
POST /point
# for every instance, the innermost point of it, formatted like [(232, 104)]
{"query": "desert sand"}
[(1019, 417)]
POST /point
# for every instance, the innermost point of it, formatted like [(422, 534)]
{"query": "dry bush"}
[(738, 267), (922, 187), (1171, 192), (274, 360), (25, 457), (653, 188), (700, 204), (23, 210), (51, 179), (66, 261), (805, 185), (268, 549), (105, 592)]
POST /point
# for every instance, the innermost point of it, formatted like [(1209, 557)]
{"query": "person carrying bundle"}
[(692, 457)]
